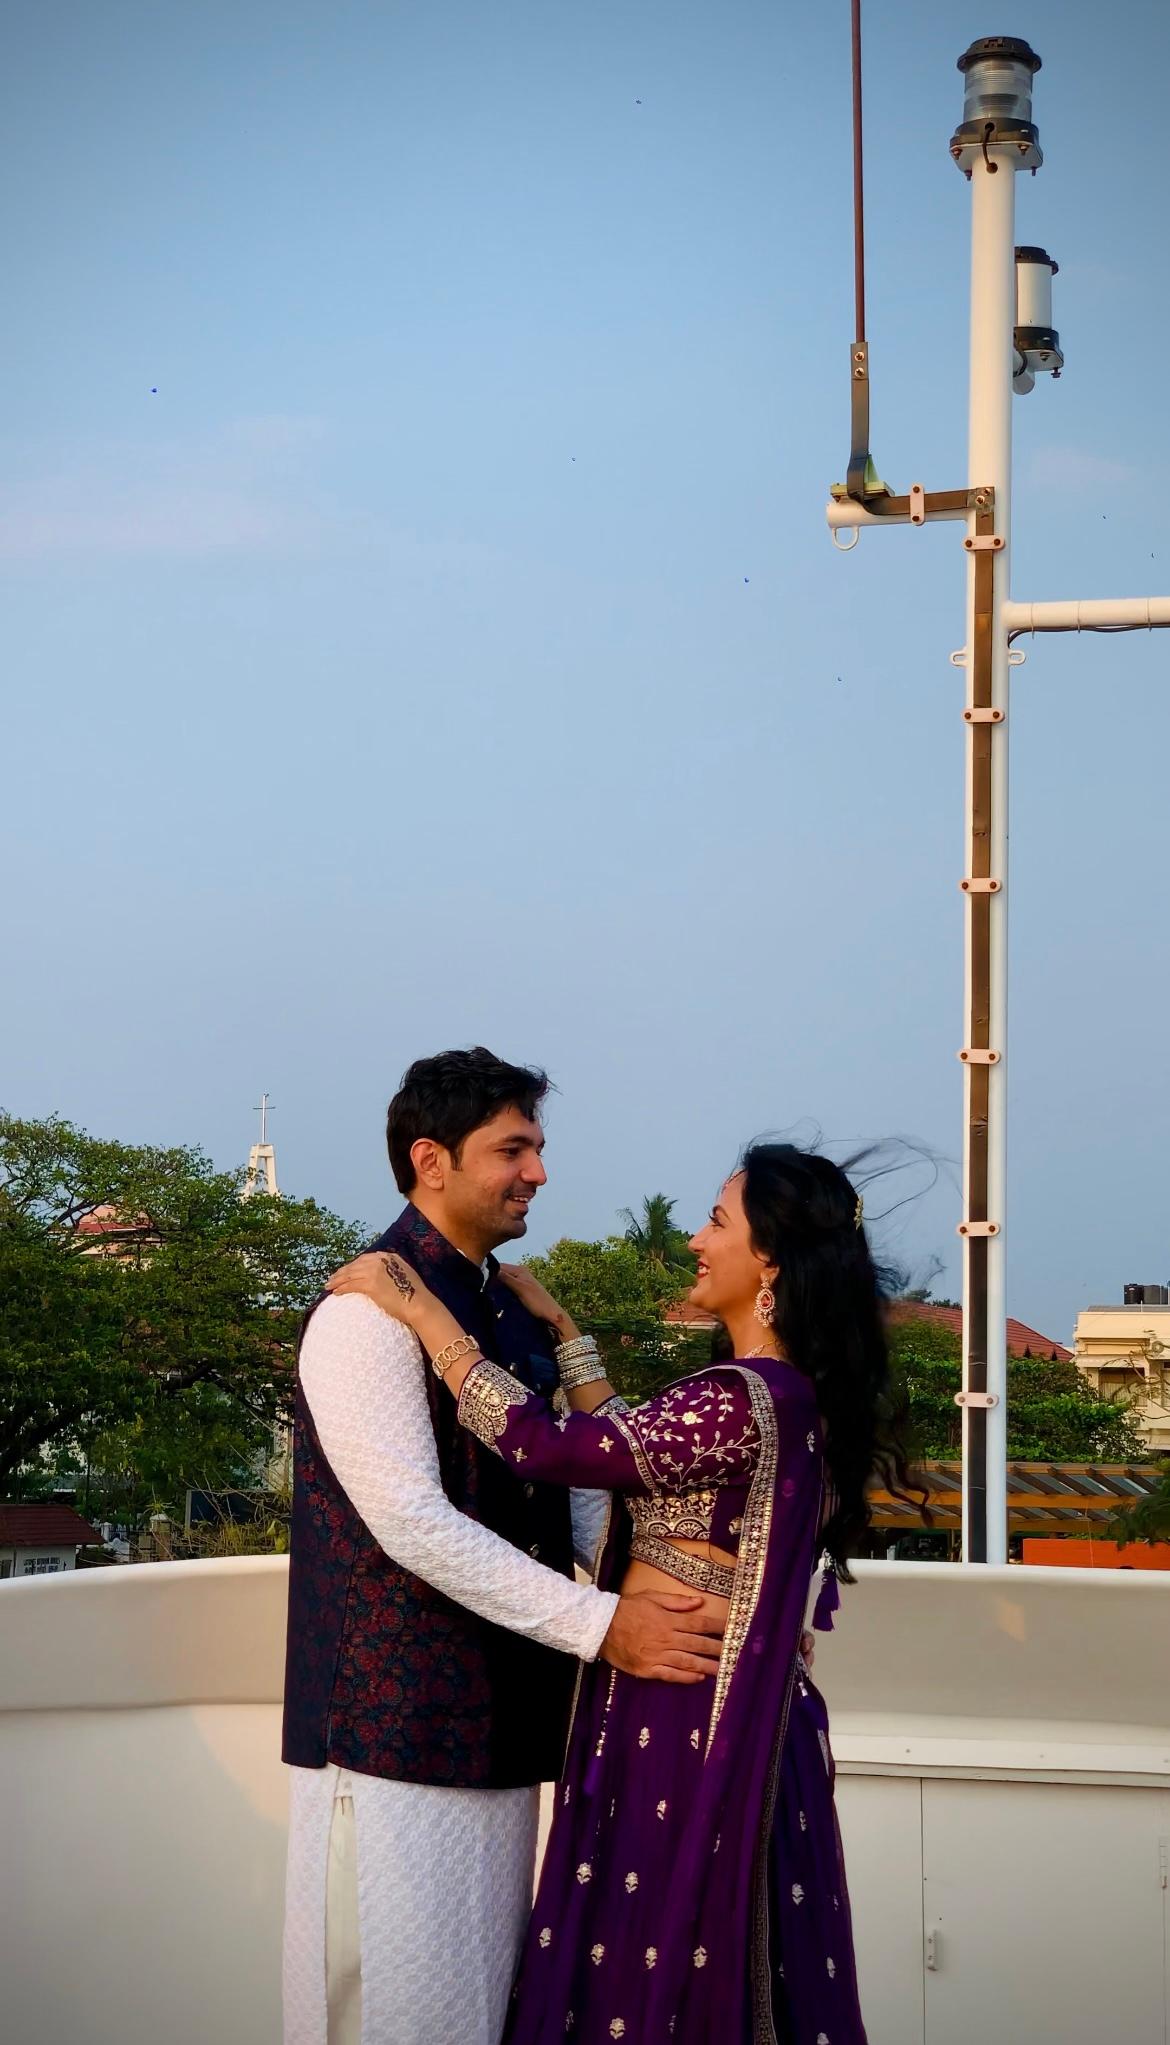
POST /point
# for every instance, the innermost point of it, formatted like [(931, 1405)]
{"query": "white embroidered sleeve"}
[(362, 1375)]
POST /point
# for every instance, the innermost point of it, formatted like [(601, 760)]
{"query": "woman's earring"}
[(765, 1304)]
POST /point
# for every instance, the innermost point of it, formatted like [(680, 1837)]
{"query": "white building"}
[(1124, 1351), (41, 1540)]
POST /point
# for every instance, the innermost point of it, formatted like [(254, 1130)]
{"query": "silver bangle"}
[(591, 1371), (580, 1346)]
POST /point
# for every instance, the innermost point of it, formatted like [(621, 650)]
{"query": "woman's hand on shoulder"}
[(538, 1300), (390, 1282)]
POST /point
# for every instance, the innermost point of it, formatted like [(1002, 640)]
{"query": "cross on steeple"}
[(262, 1111), (261, 1175)]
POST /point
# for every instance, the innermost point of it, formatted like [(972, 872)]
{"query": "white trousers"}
[(406, 1906), (343, 1949)]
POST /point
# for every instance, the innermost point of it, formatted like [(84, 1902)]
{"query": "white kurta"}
[(444, 1875)]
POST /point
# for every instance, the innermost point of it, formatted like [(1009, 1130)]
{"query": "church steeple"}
[(262, 1157)]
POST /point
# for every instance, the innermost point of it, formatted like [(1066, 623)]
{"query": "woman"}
[(693, 1886)]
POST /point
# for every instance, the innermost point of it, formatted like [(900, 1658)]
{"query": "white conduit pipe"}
[(840, 515), (1097, 614)]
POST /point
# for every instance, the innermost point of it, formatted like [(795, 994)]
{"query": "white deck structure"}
[(1003, 1737)]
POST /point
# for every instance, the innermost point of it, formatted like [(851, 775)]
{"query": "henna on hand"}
[(396, 1272)]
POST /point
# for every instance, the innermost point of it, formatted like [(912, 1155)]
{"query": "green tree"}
[(1054, 1415), (148, 1314), (610, 1290)]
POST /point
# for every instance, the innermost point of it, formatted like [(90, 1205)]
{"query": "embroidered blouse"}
[(684, 1459)]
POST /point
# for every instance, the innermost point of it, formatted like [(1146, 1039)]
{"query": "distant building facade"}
[(41, 1540), (1124, 1352)]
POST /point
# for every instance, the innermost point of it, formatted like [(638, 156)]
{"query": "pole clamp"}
[(984, 543), (978, 1228), (976, 884), (971, 1055), (984, 1400), (917, 504), (976, 715)]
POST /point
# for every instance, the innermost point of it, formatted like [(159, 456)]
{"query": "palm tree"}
[(656, 1237)]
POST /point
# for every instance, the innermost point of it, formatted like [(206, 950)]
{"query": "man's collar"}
[(437, 1254)]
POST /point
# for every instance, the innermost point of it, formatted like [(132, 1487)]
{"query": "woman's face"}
[(730, 1270)]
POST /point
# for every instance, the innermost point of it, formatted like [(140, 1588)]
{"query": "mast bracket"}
[(983, 1400), (974, 714), (978, 1228), (984, 543), (976, 884), (972, 1055)]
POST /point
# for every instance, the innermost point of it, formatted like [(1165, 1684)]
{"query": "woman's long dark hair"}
[(803, 1212)]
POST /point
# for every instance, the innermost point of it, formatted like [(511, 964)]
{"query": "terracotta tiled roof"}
[(682, 1316), (1021, 1340), (44, 1526)]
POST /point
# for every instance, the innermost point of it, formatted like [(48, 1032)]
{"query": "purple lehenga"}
[(693, 1887)]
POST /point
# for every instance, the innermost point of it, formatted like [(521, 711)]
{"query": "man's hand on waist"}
[(665, 1637)]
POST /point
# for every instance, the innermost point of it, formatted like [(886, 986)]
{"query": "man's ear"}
[(429, 1161)]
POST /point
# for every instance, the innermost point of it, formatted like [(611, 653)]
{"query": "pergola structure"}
[(1042, 1498)]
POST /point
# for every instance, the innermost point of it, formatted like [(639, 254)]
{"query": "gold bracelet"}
[(463, 1345)]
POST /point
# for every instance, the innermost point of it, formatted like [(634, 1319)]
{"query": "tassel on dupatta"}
[(828, 1601)]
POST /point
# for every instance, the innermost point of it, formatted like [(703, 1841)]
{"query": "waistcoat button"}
[(529, 1491)]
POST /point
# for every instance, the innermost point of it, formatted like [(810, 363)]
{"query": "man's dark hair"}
[(448, 1096)]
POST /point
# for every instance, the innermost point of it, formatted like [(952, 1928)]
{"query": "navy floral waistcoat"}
[(385, 1675)]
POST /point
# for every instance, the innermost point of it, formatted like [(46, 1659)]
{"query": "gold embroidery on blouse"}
[(584, 1873), (546, 1936), (487, 1398), (644, 1736), (633, 1442), (662, 1808), (753, 1547), (687, 1429), (696, 1736), (597, 1955), (617, 2029), (651, 1955), (631, 1882), (700, 1956), (673, 1515)]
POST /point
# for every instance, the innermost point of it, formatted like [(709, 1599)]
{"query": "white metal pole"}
[(1090, 614), (993, 289)]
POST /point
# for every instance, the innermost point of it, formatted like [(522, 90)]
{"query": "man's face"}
[(499, 1173)]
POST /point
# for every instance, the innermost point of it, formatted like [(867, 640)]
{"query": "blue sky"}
[(420, 626)]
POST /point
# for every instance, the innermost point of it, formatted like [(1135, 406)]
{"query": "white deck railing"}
[(1003, 1738)]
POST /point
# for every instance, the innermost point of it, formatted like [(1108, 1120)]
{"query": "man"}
[(434, 1618)]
